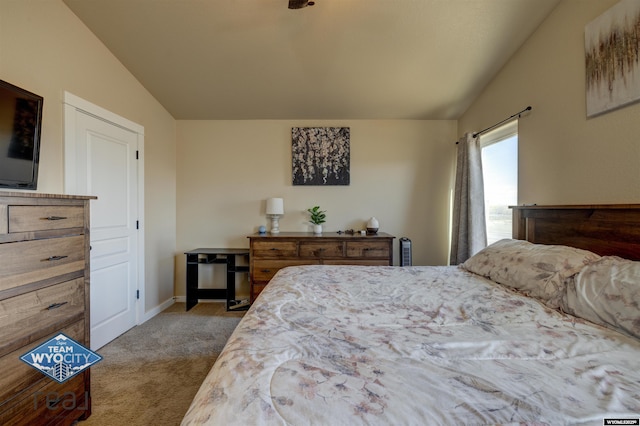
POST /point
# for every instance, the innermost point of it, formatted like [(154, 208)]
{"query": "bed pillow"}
[(535, 269), (607, 292)]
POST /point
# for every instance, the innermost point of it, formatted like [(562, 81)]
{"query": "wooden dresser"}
[(44, 290), (270, 253)]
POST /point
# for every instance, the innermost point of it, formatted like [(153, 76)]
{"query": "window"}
[(500, 174)]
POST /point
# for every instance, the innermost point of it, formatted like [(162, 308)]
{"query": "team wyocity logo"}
[(61, 358)]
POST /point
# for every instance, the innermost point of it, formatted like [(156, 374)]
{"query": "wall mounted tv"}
[(20, 123)]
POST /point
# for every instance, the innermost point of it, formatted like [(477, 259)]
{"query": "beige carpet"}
[(149, 375)]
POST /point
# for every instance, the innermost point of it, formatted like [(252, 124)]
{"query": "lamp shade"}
[(275, 206)]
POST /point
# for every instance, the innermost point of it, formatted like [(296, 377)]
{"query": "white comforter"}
[(345, 345)]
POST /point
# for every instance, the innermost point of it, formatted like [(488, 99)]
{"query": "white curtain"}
[(469, 228)]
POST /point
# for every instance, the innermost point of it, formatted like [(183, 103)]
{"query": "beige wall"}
[(401, 170), (45, 49), (400, 173), (564, 157)]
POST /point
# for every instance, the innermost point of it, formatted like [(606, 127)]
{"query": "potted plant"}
[(317, 218)]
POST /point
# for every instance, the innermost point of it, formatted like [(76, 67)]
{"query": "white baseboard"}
[(155, 311)]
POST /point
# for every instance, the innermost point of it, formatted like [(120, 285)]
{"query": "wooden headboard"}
[(607, 229)]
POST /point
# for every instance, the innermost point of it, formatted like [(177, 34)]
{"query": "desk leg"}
[(231, 279), (192, 280)]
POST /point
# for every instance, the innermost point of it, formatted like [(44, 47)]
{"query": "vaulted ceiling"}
[(337, 59)]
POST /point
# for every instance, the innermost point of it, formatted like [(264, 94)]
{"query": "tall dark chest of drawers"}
[(44, 291)]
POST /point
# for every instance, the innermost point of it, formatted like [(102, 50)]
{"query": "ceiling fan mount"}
[(299, 4)]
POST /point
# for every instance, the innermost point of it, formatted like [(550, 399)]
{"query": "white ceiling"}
[(338, 59)]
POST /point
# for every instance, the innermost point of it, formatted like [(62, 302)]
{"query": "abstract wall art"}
[(612, 58), (320, 155)]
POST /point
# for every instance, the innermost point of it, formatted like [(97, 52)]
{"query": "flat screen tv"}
[(20, 123)]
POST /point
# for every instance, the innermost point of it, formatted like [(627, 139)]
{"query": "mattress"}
[(345, 345)]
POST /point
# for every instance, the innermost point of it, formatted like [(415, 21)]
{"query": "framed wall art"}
[(320, 155), (612, 58)]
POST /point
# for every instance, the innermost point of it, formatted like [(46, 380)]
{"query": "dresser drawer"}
[(29, 261), (20, 375), (357, 262), (274, 249), (264, 270), (367, 249), (44, 218), (33, 315), (321, 249)]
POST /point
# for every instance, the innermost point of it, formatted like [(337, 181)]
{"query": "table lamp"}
[(275, 209)]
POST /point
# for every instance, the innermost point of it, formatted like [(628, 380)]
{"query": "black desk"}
[(225, 256)]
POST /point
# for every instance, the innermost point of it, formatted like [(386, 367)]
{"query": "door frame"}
[(73, 104)]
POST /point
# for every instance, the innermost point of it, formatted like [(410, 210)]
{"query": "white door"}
[(105, 165)]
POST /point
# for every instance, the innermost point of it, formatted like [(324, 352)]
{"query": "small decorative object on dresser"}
[(317, 218), (44, 292), (275, 209), (372, 226)]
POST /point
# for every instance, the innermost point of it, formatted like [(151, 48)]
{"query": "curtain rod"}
[(499, 123)]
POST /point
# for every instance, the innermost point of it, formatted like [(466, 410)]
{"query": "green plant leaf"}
[(317, 216)]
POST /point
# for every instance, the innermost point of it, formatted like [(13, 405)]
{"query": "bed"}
[(540, 329)]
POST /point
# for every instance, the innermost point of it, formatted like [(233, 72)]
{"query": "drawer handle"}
[(56, 218), (274, 248), (56, 305), (265, 270), (54, 258)]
